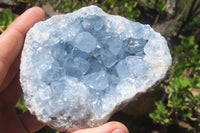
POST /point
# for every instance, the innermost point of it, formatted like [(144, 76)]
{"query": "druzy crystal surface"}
[(78, 69)]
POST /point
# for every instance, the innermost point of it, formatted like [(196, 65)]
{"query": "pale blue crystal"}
[(84, 39), (99, 80), (82, 65), (92, 23), (77, 69), (134, 46)]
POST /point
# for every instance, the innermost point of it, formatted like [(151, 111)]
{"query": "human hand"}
[(11, 43)]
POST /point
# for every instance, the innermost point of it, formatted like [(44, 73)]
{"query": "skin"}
[(11, 44)]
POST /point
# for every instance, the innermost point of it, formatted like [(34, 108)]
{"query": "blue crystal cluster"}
[(77, 69)]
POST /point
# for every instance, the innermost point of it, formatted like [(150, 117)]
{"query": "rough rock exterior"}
[(78, 69)]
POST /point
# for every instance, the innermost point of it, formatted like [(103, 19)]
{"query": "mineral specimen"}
[(78, 69)]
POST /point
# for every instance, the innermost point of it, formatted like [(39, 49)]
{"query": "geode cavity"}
[(78, 69)]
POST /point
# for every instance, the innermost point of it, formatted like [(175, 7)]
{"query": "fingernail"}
[(118, 131)]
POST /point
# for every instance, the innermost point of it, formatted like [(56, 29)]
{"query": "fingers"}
[(9, 121), (12, 94), (111, 127), (30, 122), (11, 41), (11, 74)]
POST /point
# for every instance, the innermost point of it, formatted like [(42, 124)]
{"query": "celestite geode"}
[(78, 69)]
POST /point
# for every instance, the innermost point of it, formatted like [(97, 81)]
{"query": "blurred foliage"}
[(22, 1), (6, 18), (32, 2), (21, 106), (190, 21), (192, 26), (182, 104), (160, 114), (158, 5), (128, 9), (125, 8)]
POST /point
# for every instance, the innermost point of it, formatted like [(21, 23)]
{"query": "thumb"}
[(111, 127)]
